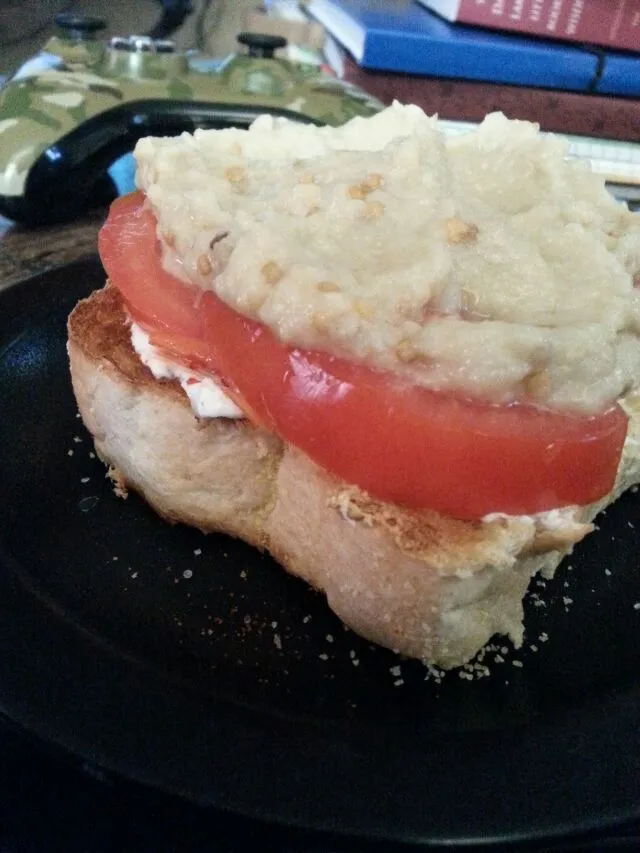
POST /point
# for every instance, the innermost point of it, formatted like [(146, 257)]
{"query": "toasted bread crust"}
[(431, 587), (98, 326), (146, 432)]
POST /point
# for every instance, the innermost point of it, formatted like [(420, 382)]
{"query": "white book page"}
[(447, 8), (618, 162), (340, 24)]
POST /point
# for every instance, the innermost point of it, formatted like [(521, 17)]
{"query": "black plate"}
[(195, 665)]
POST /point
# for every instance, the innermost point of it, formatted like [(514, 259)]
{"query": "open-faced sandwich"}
[(405, 365)]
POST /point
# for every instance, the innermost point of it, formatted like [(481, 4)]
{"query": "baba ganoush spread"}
[(487, 265)]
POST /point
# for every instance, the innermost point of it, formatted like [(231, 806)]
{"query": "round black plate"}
[(195, 665)]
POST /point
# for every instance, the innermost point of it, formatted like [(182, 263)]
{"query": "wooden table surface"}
[(28, 251)]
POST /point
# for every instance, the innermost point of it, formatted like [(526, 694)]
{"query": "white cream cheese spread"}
[(486, 264), (207, 399), (563, 519)]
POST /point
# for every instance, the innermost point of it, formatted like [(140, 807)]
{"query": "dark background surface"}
[(51, 803)]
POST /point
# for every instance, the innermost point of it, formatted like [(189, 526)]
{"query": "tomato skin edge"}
[(405, 445)]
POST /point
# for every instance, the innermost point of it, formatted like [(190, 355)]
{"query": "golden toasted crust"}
[(422, 534), (99, 327), (432, 587), (147, 434)]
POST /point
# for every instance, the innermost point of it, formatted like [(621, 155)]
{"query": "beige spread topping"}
[(486, 264)]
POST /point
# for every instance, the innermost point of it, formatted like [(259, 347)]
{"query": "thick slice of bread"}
[(430, 587)]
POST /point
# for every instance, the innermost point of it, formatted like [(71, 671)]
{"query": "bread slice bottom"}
[(425, 585)]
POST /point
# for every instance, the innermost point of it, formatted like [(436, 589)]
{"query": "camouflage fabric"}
[(74, 81)]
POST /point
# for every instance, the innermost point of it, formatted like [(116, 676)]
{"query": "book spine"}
[(610, 23), (503, 59), (465, 100)]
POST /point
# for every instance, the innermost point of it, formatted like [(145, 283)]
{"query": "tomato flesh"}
[(399, 442)]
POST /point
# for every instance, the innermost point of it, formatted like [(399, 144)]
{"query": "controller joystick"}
[(81, 27), (261, 45)]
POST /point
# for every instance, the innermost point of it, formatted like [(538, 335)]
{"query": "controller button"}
[(261, 45), (142, 44), (82, 27)]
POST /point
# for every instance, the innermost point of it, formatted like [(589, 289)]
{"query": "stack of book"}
[(363, 27), (399, 49), (405, 37)]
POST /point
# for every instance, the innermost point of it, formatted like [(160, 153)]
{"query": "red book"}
[(610, 23)]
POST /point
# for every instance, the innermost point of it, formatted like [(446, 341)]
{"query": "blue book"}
[(402, 36), (620, 75)]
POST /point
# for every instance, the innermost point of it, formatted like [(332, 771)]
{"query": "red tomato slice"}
[(400, 443)]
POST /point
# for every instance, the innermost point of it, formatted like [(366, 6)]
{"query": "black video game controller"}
[(71, 111)]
